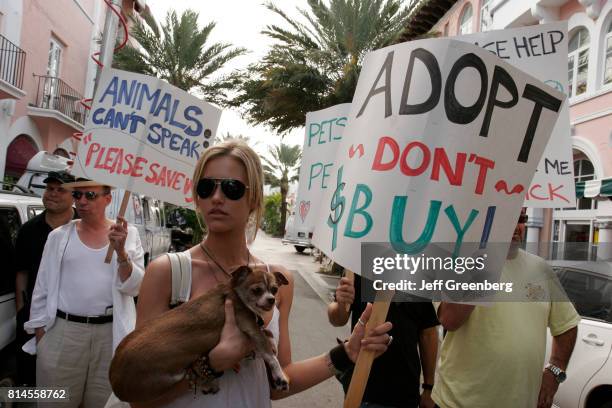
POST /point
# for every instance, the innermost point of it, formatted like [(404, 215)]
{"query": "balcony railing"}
[(12, 62), (53, 93)]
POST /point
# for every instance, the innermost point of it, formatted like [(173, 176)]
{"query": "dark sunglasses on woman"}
[(89, 195), (232, 189)]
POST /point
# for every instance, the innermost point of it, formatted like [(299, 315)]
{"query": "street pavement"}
[(310, 331)]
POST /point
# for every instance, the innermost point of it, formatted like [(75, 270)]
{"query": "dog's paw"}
[(280, 383)]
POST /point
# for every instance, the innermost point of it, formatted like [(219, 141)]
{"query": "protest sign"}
[(448, 136), (323, 132), (144, 135), (541, 50)]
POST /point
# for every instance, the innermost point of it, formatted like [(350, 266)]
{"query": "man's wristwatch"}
[(559, 374)]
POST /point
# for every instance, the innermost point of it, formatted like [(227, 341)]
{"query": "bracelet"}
[(427, 387), (200, 372), (339, 359)]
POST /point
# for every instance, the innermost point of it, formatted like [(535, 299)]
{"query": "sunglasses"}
[(89, 195), (232, 189)]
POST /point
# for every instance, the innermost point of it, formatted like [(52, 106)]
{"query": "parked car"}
[(15, 209), (589, 374), (298, 237)]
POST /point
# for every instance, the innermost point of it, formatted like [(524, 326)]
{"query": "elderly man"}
[(28, 252), (82, 307), (493, 356)]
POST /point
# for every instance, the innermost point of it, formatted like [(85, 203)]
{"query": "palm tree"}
[(180, 54), (315, 65), (281, 170)]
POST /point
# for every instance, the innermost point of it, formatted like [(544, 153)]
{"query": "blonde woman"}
[(228, 192)]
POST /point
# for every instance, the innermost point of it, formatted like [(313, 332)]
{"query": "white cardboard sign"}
[(444, 139), (144, 135)]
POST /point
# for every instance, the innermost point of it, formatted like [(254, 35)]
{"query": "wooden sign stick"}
[(122, 208), (365, 358), (350, 275)]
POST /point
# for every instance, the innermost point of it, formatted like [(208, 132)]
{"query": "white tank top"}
[(246, 389), (86, 282)]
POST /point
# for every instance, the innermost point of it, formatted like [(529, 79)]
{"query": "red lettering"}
[(93, 148), (408, 171), (109, 158), (140, 161), (128, 160), (177, 181), (533, 195), (152, 178), (98, 164), (484, 164), (187, 190), (441, 160), (552, 194), (380, 150)]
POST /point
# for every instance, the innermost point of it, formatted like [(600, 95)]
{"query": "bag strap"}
[(181, 278)]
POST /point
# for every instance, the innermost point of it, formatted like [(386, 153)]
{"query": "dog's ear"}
[(280, 278), (239, 275)]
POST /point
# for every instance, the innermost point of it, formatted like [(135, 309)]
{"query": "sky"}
[(240, 23)]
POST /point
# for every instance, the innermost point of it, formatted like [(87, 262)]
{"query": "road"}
[(310, 332)]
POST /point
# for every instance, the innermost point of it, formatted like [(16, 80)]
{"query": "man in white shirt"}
[(81, 306)]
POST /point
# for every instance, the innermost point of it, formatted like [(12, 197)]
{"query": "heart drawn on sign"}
[(304, 208)]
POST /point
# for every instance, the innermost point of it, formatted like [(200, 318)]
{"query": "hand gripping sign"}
[(450, 136)]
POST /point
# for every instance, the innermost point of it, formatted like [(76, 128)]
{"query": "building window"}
[(465, 24), (485, 15), (584, 171), (578, 62), (55, 57), (608, 56)]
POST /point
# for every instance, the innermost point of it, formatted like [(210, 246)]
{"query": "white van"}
[(145, 213), (299, 238)]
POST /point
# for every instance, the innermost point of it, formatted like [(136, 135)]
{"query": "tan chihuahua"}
[(153, 359)]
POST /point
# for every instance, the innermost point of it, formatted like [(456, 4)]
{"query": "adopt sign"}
[(449, 137), (145, 136)]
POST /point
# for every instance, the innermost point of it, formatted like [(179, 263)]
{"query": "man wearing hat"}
[(82, 307), (29, 248)]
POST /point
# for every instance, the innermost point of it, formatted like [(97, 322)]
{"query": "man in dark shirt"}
[(395, 375), (28, 252)]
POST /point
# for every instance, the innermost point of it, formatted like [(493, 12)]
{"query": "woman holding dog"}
[(228, 194)]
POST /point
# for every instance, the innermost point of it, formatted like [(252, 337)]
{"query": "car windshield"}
[(591, 293)]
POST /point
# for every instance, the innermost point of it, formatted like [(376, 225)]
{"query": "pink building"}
[(590, 88), (45, 69)]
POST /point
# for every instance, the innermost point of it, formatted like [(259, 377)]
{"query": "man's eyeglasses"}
[(232, 189), (89, 195)]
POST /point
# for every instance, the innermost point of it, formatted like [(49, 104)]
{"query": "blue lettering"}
[(96, 119), (111, 90), (198, 125)]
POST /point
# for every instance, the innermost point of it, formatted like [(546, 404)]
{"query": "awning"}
[(594, 188)]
